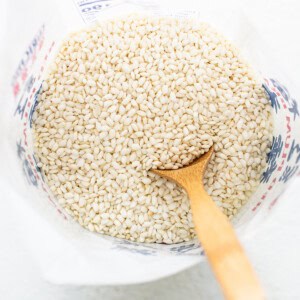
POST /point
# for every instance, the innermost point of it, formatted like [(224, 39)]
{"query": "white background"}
[(274, 250)]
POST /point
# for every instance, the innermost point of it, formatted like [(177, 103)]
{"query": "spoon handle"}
[(222, 248)]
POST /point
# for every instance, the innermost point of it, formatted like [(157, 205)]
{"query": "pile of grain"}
[(138, 93)]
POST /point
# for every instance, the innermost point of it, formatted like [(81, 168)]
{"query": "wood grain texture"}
[(220, 243)]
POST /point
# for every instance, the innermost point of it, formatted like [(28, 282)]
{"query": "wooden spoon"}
[(222, 248)]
